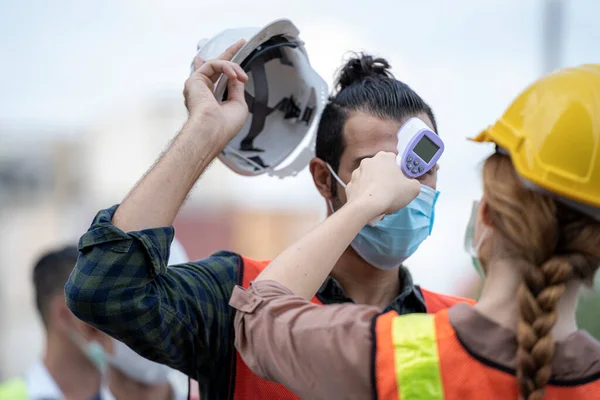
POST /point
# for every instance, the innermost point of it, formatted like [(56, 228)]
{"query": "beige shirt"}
[(325, 352)]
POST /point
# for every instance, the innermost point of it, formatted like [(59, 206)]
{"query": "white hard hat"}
[(285, 98)]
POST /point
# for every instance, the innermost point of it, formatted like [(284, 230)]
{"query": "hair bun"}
[(361, 66)]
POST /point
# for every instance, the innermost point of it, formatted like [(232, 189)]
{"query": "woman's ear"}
[(484, 213)]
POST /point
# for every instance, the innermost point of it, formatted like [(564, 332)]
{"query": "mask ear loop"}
[(480, 241), (337, 178), (375, 220)]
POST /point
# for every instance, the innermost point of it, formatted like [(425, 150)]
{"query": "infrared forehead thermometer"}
[(419, 148)]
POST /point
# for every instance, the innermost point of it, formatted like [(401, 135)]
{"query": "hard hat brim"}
[(481, 137)]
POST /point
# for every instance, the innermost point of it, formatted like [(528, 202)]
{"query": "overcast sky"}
[(64, 64)]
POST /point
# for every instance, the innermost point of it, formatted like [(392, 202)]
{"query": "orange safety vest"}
[(419, 356), (246, 385)]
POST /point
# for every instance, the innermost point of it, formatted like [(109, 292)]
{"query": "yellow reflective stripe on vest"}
[(14, 389), (416, 358)]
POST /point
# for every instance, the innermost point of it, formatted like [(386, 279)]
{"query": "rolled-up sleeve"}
[(318, 352), (175, 315)]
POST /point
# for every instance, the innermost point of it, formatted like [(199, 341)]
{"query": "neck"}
[(75, 376), (365, 284), (123, 387), (499, 302)]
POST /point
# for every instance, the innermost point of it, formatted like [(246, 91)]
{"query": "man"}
[(70, 365), (79, 358), (179, 315)]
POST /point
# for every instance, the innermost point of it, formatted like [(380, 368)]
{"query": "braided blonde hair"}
[(554, 244)]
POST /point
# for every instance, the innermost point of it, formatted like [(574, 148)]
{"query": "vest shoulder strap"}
[(13, 389), (250, 270), (437, 302), (407, 361)]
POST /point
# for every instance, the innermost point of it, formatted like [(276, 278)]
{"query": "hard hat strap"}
[(260, 106)]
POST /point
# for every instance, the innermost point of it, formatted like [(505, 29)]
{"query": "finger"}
[(241, 74), (214, 68), (384, 154), (198, 62), (231, 50), (225, 67), (234, 72), (229, 71), (235, 91)]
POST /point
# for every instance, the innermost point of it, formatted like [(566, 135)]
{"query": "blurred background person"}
[(79, 361), (74, 351)]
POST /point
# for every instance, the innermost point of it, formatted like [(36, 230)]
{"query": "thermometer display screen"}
[(426, 149)]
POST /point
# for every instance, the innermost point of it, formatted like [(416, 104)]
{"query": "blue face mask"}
[(397, 236)]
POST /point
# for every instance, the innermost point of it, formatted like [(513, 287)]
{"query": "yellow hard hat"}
[(552, 134)]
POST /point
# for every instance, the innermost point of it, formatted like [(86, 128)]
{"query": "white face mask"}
[(137, 367)]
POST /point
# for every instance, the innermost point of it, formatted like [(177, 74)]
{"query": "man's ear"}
[(59, 315), (93, 334), (321, 177)]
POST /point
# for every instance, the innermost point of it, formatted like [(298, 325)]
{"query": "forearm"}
[(157, 198), (304, 266)]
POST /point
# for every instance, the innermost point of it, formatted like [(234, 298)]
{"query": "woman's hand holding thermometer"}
[(419, 150), (381, 186)]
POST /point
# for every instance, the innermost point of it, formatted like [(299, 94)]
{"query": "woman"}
[(536, 235)]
